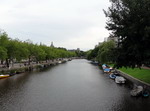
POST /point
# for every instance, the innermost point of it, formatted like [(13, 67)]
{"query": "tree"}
[(106, 52), (14, 49), (94, 53), (129, 20), (4, 40), (3, 54), (38, 53), (3, 43)]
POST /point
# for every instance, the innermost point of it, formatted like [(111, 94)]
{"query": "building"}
[(51, 44), (115, 39)]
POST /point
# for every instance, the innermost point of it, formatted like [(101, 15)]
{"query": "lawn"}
[(141, 74)]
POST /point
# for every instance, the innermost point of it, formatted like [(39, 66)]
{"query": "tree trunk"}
[(7, 62), (12, 62), (2, 62), (29, 60)]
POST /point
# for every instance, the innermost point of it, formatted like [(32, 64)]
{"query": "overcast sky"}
[(67, 23)]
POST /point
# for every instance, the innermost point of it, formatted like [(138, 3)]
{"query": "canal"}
[(73, 86)]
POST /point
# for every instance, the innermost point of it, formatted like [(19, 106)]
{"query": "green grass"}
[(141, 74)]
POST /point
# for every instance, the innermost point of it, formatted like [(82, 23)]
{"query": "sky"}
[(70, 24)]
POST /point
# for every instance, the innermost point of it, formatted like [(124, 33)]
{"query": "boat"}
[(112, 76), (106, 70), (145, 94), (137, 91), (4, 76), (94, 62), (104, 66), (69, 59), (120, 80), (59, 62)]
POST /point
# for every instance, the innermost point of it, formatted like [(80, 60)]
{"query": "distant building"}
[(52, 44), (105, 39), (115, 39), (72, 50), (78, 49), (112, 38)]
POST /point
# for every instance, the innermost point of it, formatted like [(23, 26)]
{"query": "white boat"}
[(120, 80), (59, 62), (4, 76), (104, 66), (137, 91)]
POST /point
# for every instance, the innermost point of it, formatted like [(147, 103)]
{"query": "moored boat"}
[(4, 76), (104, 66), (107, 70), (94, 62), (145, 94), (120, 80), (112, 76), (69, 59), (137, 91), (59, 62)]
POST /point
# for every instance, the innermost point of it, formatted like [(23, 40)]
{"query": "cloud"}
[(87, 40), (68, 23)]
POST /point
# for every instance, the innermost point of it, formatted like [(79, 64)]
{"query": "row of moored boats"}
[(113, 74)]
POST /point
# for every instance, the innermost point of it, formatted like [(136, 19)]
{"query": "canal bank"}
[(135, 81), (21, 68)]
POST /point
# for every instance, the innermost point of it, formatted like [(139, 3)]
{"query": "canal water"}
[(73, 86)]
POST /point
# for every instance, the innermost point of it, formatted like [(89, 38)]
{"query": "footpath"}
[(23, 67)]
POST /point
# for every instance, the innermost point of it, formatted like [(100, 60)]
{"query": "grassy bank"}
[(141, 74)]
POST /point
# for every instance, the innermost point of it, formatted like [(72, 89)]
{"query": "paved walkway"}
[(144, 67), (22, 65)]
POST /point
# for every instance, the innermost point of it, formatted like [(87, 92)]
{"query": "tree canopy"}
[(14, 49), (129, 20), (103, 52)]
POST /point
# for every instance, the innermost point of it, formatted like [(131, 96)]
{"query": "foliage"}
[(88, 54), (80, 53), (92, 54), (12, 50), (129, 20), (3, 53), (104, 52)]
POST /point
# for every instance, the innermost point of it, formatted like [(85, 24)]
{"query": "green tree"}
[(14, 49), (3, 54), (106, 52), (129, 20), (4, 40), (3, 43), (93, 53), (38, 53)]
